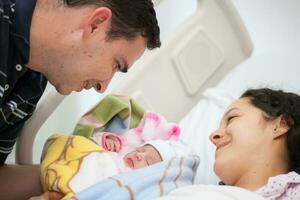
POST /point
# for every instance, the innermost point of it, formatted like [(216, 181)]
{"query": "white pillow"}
[(277, 71), (197, 126)]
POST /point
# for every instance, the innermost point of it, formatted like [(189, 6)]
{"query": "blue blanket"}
[(145, 183)]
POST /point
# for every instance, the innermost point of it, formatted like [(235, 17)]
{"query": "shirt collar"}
[(22, 22)]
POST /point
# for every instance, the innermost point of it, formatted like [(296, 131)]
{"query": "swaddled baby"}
[(70, 164)]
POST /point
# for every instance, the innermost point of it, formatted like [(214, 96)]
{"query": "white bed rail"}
[(24, 146)]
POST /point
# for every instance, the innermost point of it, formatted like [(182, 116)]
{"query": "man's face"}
[(93, 63), (70, 46)]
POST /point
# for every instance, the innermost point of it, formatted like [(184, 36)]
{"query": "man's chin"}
[(63, 92)]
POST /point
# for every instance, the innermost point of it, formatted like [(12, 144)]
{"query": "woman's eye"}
[(229, 119)]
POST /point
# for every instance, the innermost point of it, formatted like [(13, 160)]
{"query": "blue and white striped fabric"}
[(145, 183), (20, 87)]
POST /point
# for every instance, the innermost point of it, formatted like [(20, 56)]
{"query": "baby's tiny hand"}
[(112, 144)]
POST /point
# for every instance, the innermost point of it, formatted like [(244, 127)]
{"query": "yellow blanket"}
[(61, 160)]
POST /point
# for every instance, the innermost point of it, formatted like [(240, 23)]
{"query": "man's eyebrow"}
[(124, 65)]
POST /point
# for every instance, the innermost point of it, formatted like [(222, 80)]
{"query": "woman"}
[(258, 144)]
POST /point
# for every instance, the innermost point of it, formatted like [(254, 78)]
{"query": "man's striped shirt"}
[(20, 87)]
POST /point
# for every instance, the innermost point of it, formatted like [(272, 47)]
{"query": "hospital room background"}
[(273, 26)]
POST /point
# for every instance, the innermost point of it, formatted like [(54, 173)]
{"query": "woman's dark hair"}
[(277, 103), (130, 18)]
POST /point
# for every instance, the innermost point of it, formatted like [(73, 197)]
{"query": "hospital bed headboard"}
[(201, 51), (170, 80)]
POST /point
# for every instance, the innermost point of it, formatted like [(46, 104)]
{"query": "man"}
[(75, 45)]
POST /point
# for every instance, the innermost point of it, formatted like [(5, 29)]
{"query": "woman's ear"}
[(98, 20), (281, 127)]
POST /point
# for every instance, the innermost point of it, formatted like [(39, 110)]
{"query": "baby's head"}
[(153, 152), (141, 157)]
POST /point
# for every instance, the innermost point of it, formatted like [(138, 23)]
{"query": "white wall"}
[(274, 25)]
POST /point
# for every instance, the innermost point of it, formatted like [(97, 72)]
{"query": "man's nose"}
[(104, 84)]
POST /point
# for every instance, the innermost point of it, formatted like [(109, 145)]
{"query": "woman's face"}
[(240, 141)]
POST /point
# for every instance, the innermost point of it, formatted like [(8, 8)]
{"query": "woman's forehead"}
[(240, 103)]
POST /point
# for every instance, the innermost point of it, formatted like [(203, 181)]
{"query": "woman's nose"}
[(216, 136)]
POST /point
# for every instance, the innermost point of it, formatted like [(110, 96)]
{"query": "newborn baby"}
[(143, 156), (70, 164)]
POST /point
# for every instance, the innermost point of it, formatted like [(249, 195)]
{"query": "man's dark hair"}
[(277, 103), (129, 19)]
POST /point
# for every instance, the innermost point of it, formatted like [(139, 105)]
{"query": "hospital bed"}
[(191, 79)]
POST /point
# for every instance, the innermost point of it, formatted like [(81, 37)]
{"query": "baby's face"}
[(141, 157)]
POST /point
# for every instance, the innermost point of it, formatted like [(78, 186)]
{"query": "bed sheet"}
[(277, 71), (211, 192)]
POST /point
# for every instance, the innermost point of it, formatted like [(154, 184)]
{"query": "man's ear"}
[(99, 19), (281, 127)]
